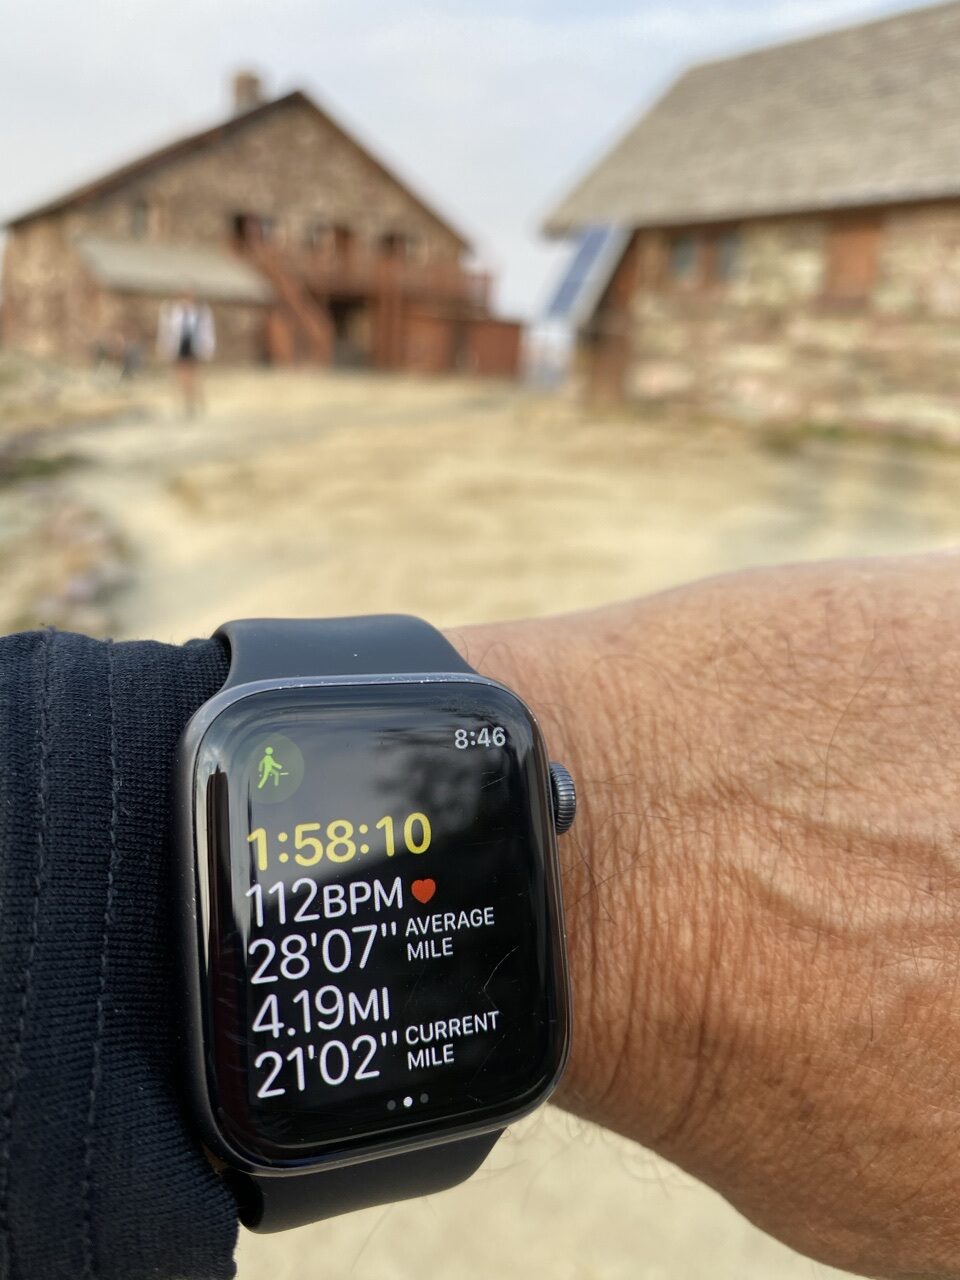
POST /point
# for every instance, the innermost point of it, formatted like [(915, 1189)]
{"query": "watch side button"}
[(564, 794)]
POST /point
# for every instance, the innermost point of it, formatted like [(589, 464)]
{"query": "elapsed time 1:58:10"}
[(338, 842)]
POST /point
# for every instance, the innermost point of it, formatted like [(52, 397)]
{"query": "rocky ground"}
[(61, 561), (306, 494)]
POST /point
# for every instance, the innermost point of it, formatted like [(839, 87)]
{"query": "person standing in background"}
[(185, 336)]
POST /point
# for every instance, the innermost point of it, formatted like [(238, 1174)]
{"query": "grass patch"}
[(16, 468), (789, 440)]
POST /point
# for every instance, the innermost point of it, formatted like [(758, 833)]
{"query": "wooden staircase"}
[(302, 326)]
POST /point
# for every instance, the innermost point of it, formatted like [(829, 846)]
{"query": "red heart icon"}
[(423, 890)]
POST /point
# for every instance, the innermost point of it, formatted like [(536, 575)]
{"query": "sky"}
[(490, 109)]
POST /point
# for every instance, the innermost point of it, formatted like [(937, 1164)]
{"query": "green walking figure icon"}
[(270, 768)]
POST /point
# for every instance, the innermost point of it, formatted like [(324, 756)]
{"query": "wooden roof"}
[(127, 173), (864, 116)]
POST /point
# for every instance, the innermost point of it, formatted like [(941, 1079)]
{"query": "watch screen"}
[(379, 918)]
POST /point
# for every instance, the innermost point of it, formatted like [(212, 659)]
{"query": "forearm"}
[(763, 891)]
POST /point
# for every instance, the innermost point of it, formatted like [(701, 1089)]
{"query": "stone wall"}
[(920, 264), (290, 165), (770, 347), (47, 295)]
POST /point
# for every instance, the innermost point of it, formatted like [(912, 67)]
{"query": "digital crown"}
[(564, 793)]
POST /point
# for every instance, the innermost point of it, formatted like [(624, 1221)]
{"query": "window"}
[(139, 219), (852, 257), (319, 234), (701, 260), (727, 256), (252, 228), (394, 244), (684, 255), (343, 242)]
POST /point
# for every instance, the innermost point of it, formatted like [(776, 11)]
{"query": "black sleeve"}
[(99, 1176)]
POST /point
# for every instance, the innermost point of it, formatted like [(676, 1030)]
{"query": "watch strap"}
[(100, 1174), (274, 1204), (388, 644)]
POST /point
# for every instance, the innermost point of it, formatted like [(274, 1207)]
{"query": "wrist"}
[(761, 890), (637, 954)]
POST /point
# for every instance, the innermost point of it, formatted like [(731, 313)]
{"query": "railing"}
[(370, 276)]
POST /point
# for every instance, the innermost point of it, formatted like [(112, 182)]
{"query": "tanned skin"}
[(762, 890)]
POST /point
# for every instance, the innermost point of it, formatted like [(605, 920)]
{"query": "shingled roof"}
[(864, 116)]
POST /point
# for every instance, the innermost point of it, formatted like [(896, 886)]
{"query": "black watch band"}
[(280, 648), (266, 649), (101, 1174), (276, 1203)]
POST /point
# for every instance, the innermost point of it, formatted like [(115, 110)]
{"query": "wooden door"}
[(853, 257)]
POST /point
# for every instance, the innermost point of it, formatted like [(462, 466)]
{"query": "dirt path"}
[(303, 495)]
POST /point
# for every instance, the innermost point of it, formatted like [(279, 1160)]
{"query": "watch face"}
[(381, 948)]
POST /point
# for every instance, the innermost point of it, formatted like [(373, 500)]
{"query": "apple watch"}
[(371, 926)]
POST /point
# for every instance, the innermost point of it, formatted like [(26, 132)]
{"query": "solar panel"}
[(594, 261)]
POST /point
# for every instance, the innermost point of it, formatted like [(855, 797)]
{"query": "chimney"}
[(247, 91)]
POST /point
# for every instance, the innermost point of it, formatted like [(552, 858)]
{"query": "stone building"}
[(779, 237), (305, 245)]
